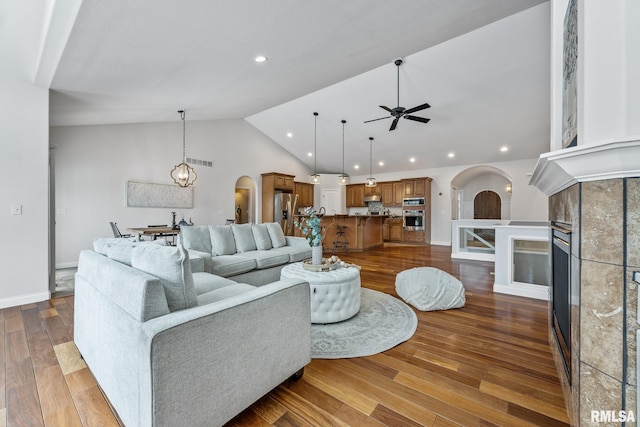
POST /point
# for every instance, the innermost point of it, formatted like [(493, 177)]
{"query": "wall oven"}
[(413, 220)]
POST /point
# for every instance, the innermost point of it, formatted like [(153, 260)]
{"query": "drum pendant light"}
[(315, 178), (343, 179), (183, 174)]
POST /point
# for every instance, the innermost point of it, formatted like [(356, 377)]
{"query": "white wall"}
[(24, 150), (93, 164), (527, 202), (482, 182)]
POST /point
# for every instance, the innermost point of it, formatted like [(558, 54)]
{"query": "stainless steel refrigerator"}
[(285, 206)]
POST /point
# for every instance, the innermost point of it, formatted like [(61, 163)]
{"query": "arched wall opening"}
[(471, 182), (245, 200)]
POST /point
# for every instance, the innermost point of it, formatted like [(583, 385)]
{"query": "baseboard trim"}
[(440, 243), (24, 299), (67, 265), (523, 290)]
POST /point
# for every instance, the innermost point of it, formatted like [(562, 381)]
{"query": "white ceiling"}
[(484, 70)]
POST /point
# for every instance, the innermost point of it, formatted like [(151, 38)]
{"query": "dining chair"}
[(116, 231)]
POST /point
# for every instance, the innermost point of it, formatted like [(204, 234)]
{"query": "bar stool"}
[(340, 240)]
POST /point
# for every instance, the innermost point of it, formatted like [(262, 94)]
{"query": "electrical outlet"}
[(16, 209)]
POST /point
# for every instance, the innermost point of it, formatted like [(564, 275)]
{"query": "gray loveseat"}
[(247, 253), (170, 347)]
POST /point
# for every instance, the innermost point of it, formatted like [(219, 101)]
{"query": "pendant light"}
[(183, 174), (371, 181), (315, 178), (343, 179)]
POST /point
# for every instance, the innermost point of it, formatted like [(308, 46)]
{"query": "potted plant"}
[(311, 228)]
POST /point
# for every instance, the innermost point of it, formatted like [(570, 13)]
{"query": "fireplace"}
[(561, 295)]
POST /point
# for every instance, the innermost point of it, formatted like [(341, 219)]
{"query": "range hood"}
[(372, 198)]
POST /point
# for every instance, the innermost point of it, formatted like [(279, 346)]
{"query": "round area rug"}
[(382, 323)]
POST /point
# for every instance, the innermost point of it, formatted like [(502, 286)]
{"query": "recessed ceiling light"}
[(260, 58), (504, 148), (451, 155), (289, 135), (310, 154), (381, 163), (356, 166), (412, 160)]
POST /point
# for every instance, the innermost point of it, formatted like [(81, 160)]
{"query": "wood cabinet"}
[(414, 236), (305, 192), (371, 191), (385, 231), (395, 229), (398, 193), (355, 196), (386, 190), (415, 187), (272, 182)]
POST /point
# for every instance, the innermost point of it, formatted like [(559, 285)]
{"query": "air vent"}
[(196, 162)]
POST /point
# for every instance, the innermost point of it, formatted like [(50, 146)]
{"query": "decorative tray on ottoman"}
[(306, 264)]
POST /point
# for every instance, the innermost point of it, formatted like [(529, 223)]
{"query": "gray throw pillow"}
[(277, 235), (171, 265), (197, 237), (121, 252), (243, 236), (261, 236), (222, 240), (101, 244)]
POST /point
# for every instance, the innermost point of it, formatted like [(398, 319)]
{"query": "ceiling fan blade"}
[(385, 108), (418, 108), (381, 118), (417, 119), (394, 124)]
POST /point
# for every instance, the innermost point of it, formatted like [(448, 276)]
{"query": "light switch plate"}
[(636, 276)]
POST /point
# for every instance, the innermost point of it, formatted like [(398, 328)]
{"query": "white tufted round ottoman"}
[(335, 294)]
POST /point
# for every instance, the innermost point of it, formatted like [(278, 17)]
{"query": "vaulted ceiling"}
[(482, 65)]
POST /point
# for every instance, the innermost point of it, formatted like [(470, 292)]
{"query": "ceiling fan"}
[(399, 111)]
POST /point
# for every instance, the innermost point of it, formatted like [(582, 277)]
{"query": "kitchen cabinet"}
[(305, 192), (398, 193), (278, 181), (414, 236), (414, 187), (372, 191), (394, 229), (355, 196), (386, 190), (271, 183), (385, 231)]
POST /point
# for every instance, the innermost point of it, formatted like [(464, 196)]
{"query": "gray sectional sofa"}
[(170, 347), (247, 253)]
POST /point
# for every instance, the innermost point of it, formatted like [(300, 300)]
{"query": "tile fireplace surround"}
[(596, 189)]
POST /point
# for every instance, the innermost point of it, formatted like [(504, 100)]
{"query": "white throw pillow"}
[(222, 240), (243, 236), (196, 237), (277, 235), (171, 265), (121, 252), (261, 236), (101, 244)]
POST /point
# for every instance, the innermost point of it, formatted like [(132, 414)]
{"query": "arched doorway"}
[(244, 203), (470, 182), (487, 205)]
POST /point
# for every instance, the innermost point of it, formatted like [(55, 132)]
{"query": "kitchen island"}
[(362, 231)]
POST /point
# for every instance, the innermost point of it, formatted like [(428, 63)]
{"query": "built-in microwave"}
[(413, 220), (413, 201)]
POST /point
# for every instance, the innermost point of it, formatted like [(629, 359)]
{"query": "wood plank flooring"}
[(487, 364)]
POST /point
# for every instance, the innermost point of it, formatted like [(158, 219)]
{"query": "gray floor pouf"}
[(428, 288)]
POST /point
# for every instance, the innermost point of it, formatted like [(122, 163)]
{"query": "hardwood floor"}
[(487, 364)]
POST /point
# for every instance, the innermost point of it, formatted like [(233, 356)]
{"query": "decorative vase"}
[(316, 255)]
